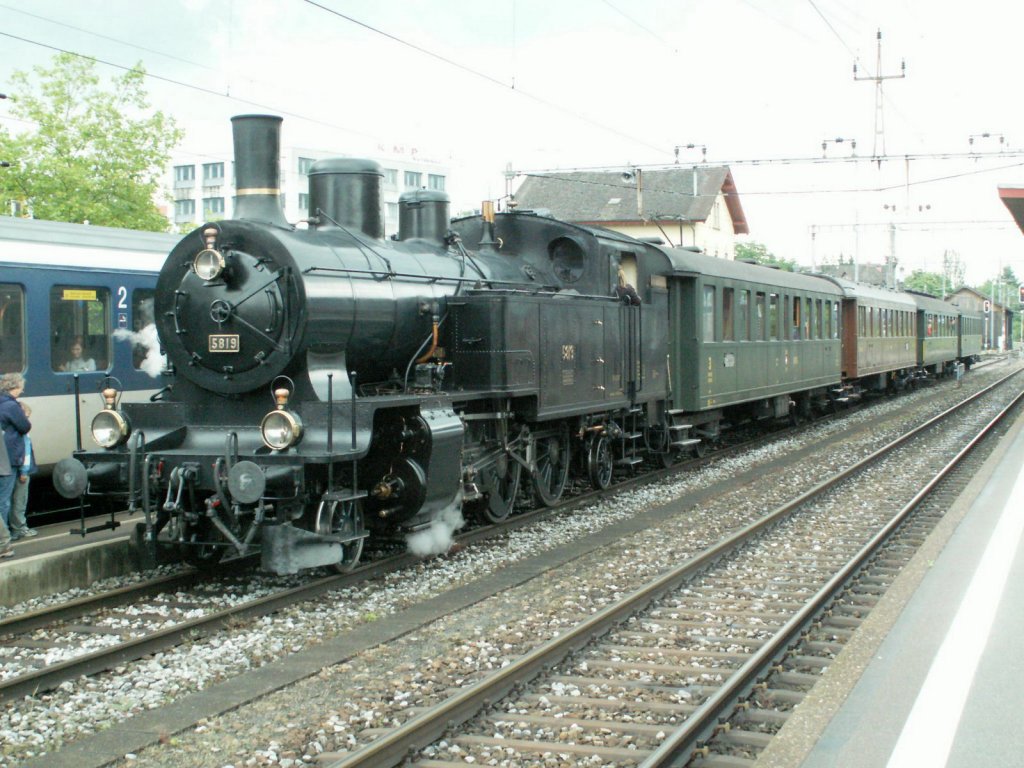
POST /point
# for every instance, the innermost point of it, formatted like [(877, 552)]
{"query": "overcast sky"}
[(562, 84)]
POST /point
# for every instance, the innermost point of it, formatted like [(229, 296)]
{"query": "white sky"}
[(608, 83)]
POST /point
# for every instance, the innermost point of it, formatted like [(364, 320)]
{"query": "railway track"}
[(235, 614), (43, 648), (701, 664)]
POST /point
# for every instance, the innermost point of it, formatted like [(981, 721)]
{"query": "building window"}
[(213, 205), (434, 181), (413, 179), (303, 201), (184, 209), (184, 173), (304, 164), (213, 173), (391, 177)]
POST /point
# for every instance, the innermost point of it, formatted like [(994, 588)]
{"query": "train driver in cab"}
[(625, 292)]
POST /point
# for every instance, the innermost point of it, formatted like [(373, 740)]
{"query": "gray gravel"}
[(332, 710)]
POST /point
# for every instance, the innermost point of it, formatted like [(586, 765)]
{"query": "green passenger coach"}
[(749, 341)]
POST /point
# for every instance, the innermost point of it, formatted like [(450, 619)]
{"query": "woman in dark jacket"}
[(15, 425)]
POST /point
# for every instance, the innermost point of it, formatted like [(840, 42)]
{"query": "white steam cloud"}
[(145, 345), (437, 538)]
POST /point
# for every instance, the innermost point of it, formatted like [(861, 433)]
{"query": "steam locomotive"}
[(325, 384)]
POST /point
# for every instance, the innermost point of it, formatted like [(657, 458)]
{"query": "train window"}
[(773, 316), (143, 324), (807, 318), (79, 323), (728, 320), (566, 259), (862, 325), (835, 319), (759, 315), (709, 313), (794, 330), (743, 317), (12, 328), (818, 327)]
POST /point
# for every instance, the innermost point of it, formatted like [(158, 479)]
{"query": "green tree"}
[(95, 154), (758, 252), (927, 282)]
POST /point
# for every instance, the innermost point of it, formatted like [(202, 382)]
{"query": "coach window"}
[(12, 328), (794, 330), (743, 316), (143, 326), (79, 322), (817, 319), (709, 313), (834, 326), (773, 316), (728, 319), (759, 316)]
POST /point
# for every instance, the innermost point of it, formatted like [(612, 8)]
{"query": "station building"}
[(690, 207)]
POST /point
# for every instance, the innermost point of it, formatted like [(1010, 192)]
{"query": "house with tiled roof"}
[(680, 206)]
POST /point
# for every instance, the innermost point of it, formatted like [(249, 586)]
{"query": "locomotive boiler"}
[(324, 384)]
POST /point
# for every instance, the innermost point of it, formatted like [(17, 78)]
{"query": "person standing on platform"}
[(19, 496), (6, 485), (15, 426)]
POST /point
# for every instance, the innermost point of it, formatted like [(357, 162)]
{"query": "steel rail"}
[(394, 747), (42, 680), (677, 749)]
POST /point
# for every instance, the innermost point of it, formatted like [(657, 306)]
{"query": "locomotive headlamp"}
[(208, 264), (109, 426), (281, 428)]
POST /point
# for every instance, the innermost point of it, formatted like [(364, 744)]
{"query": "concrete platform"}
[(55, 561), (935, 673)]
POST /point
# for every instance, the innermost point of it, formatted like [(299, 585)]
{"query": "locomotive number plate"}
[(224, 342)]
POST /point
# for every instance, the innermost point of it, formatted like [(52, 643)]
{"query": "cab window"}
[(12, 328), (79, 319)]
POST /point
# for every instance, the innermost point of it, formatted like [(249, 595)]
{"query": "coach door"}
[(849, 331)]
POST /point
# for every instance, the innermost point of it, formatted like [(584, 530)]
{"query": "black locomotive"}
[(326, 384)]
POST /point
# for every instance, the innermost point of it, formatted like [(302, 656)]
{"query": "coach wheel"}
[(600, 463), (344, 518), (553, 461), (203, 545), (500, 483)]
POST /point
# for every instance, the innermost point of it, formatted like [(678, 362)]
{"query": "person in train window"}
[(76, 362), (625, 292), (19, 496)]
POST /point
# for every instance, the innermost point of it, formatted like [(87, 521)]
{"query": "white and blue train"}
[(75, 304)]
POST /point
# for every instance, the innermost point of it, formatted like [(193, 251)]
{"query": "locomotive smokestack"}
[(257, 168)]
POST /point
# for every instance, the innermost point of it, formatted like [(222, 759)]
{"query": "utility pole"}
[(878, 77)]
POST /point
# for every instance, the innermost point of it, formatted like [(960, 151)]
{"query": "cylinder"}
[(257, 140), (346, 192), (423, 214)]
